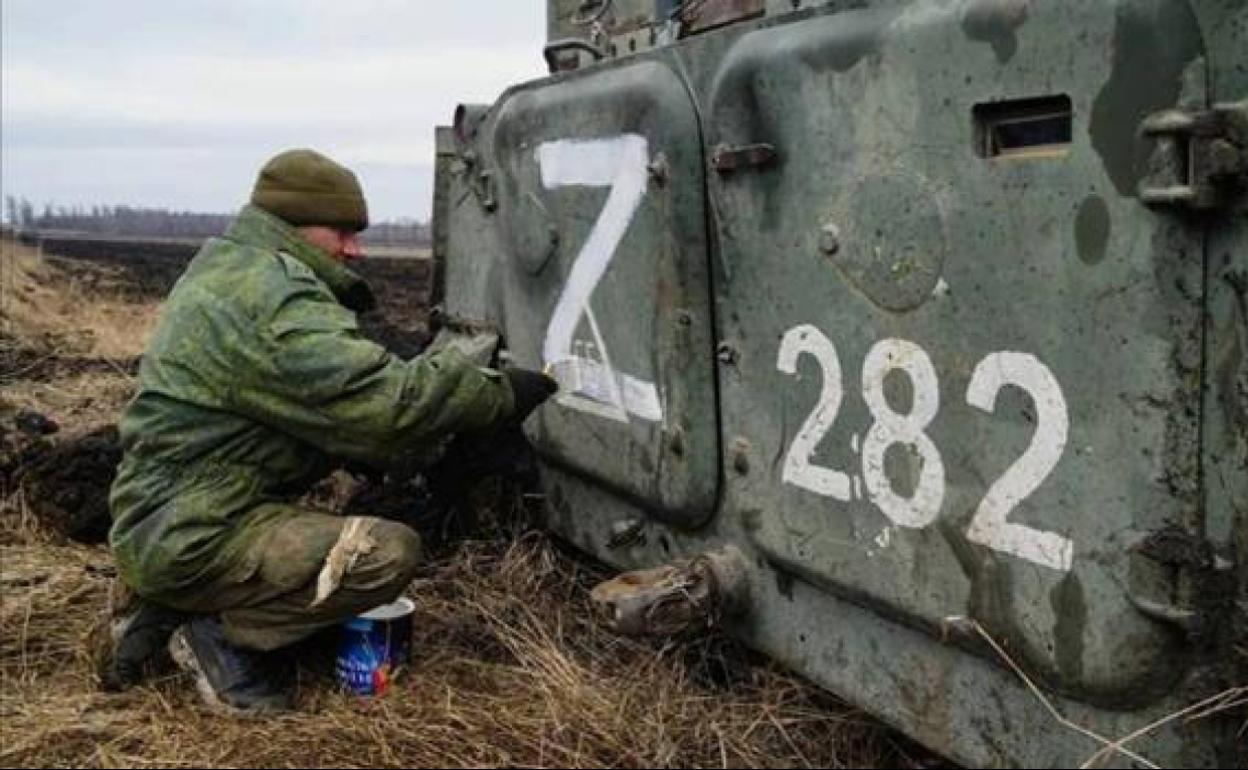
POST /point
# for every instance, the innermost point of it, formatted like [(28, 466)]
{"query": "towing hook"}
[(684, 595)]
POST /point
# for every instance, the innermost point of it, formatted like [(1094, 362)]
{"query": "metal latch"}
[(1198, 155)]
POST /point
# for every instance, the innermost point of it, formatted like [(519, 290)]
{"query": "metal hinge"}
[(1198, 156)]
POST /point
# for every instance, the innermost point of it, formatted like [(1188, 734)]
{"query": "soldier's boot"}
[(229, 677), (140, 638)]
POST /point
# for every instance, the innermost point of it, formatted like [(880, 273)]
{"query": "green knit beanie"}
[(303, 187)]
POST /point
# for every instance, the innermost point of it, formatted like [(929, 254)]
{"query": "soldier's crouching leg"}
[(316, 570)]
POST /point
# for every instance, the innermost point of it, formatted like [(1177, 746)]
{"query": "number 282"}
[(989, 526)]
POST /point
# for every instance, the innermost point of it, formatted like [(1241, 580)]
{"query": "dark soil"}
[(136, 270), (401, 321), (141, 270), (66, 481)]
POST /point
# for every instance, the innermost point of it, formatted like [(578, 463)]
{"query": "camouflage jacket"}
[(255, 384)]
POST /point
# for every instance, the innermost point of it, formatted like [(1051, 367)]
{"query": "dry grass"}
[(508, 669), (82, 401), (508, 666), (81, 310)]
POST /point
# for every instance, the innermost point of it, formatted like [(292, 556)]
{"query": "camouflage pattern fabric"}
[(256, 383), (278, 604)]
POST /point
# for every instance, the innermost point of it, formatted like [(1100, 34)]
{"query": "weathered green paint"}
[(1224, 25), (1154, 36), (875, 216), (1092, 228), (658, 287), (1071, 612), (995, 22), (905, 207)]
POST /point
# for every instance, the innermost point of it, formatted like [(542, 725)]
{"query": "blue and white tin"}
[(374, 646)]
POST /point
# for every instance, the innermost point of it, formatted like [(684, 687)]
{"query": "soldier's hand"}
[(530, 389)]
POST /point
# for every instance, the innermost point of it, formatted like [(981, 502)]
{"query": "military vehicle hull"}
[(934, 310)]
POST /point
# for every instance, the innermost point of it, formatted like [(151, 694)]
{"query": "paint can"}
[(374, 646)]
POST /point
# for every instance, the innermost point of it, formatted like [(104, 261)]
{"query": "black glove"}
[(530, 389)]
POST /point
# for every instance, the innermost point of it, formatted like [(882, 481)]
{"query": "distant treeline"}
[(164, 223)]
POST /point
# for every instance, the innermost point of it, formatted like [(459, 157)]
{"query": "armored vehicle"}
[(918, 327)]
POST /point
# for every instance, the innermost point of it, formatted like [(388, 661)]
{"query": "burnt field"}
[(509, 665)]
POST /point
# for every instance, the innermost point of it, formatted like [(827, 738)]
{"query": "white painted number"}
[(989, 526), (798, 469), (891, 428), (590, 382)]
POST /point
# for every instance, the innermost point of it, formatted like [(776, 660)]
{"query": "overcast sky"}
[(177, 104)]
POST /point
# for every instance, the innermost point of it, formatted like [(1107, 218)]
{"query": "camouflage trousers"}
[(306, 571)]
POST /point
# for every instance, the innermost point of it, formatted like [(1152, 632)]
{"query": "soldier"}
[(257, 383)]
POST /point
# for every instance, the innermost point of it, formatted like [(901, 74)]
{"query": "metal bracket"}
[(554, 50), (1189, 561), (479, 180), (483, 188), (1197, 156)]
